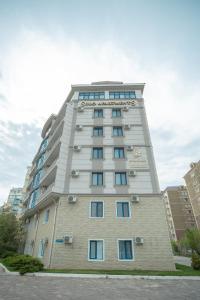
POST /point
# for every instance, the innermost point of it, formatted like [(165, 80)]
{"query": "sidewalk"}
[(182, 260)]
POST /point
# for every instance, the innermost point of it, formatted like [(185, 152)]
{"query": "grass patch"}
[(180, 271)]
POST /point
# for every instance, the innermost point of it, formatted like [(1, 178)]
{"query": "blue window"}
[(116, 112), (34, 198), (123, 209), (41, 248), (98, 131), (125, 250), (117, 131), (46, 216), (91, 95), (96, 250), (43, 145), (98, 113), (122, 95), (120, 178), (40, 161), (36, 179), (119, 152), (96, 209), (97, 178), (97, 153)]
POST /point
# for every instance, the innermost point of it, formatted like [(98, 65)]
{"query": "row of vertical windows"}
[(120, 178), (91, 95), (112, 95), (96, 250), (122, 209), (116, 113), (97, 152), (98, 131)]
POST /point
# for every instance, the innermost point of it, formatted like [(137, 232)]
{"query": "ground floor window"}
[(96, 250), (41, 248), (125, 248)]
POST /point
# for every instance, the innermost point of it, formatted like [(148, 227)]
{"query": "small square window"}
[(116, 112), (96, 250), (119, 152), (98, 131), (97, 209), (125, 250), (120, 178), (123, 210), (98, 113), (117, 131), (97, 153), (97, 178)]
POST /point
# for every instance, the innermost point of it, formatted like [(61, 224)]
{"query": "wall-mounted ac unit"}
[(27, 221), (135, 199), (75, 173), (125, 108), (77, 148), (127, 126), (46, 240), (72, 199), (139, 240), (80, 109), (68, 239), (79, 127), (132, 173), (129, 148), (32, 242)]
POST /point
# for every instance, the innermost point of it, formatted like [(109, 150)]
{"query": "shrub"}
[(8, 253), (23, 263), (195, 261)]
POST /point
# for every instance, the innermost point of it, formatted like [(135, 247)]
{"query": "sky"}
[(45, 46)]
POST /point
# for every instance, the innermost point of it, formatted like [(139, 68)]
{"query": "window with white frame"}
[(96, 210), (98, 113), (119, 152), (46, 216), (120, 178), (97, 178), (125, 249), (117, 131), (123, 209), (95, 250)]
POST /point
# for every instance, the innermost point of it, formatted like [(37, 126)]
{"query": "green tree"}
[(11, 233), (192, 240)]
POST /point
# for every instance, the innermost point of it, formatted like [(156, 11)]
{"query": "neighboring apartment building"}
[(192, 180), (14, 201), (94, 200), (178, 210)]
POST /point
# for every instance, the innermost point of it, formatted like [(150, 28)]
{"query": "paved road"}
[(46, 288)]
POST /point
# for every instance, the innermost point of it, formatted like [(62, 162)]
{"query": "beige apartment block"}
[(179, 211), (93, 199), (192, 180)]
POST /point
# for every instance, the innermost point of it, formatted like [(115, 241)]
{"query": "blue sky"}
[(48, 45)]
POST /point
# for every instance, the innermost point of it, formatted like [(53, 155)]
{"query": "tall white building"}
[(94, 199)]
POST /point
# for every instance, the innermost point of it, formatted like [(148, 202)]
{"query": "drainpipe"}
[(53, 232)]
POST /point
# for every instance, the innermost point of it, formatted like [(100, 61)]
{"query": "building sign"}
[(107, 103)]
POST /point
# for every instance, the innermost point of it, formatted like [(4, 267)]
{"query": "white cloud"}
[(38, 70)]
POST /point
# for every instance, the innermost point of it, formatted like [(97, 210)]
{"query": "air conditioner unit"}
[(135, 199), (46, 240), (27, 221), (127, 127), (72, 199), (77, 148), (32, 242), (132, 173), (80, 109), (68, 239), (125, 108), (75, 173), (79, 127), (139, 240), (129, 148)]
